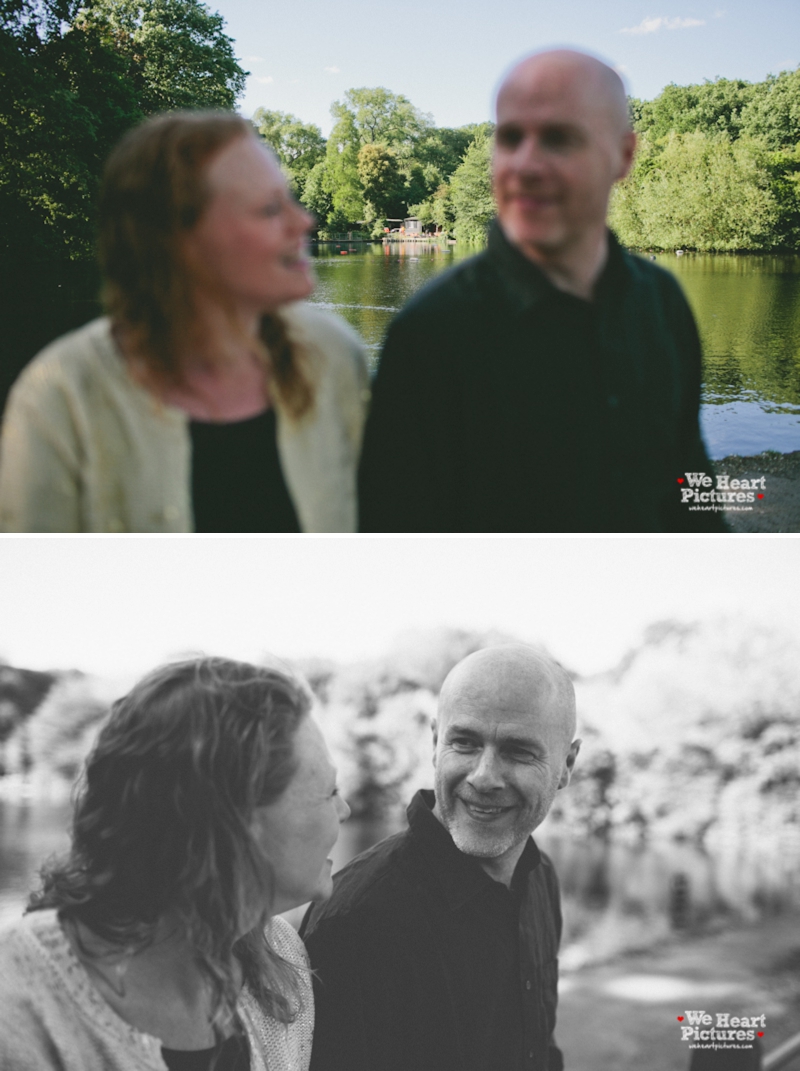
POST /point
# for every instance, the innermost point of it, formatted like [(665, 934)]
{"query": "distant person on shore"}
[(209, 805), (551, 383), (211, 399), (437, 950)]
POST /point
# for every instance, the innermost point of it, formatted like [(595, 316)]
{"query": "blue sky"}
[(446, 56)]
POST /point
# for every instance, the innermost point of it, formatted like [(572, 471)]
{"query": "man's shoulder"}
[(374, 882), (546, 872), (456, 290)]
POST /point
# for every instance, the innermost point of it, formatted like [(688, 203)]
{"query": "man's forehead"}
[(545, 101), (573, 87), (492, 723)]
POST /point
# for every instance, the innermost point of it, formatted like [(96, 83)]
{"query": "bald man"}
[(551, 383), (437, 950)]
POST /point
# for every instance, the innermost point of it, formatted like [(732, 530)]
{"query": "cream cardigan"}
[(86, 449), (53, 1019)]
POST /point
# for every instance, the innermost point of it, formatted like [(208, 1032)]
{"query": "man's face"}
[(499, 762), (558, 151)]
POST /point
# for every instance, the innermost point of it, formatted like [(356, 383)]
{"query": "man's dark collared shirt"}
[(503, 404), (424, 963)]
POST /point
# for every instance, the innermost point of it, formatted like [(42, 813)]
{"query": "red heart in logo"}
[(680, 1018), (761, 1033), (680, 479), (760, 496)]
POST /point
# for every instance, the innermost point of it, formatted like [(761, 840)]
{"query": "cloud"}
[(652, 25), (253, 59), (265, 81), (332, 70)]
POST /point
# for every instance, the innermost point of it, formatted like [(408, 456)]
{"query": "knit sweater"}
[(85, 448), (53, 1019)]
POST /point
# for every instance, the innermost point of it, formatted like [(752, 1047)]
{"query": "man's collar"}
[(527, 284), (459, 877)]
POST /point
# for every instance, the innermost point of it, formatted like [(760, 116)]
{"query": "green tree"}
[(316, 195), (341, 158), (381, 182), (74, 79), (176, 52), (443, 148), (774, 112), (713, 108), (66, 101), (388, 118), (300, 147), (471, 192), (698, 191), (372, 117)]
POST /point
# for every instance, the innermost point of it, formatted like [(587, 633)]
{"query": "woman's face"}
[(298, 830), (249, 245)]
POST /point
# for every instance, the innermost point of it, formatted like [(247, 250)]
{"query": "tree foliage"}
[(694, 735), (697, 191), (74, 79), (382, 182), (718, 168), (300, 147), (176, 53), (471, 192), (425, 156)]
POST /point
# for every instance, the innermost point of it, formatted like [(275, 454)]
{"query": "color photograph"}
[(375, 129)]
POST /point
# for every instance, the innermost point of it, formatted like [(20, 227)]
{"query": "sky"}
[(119, 606), (447, 56)]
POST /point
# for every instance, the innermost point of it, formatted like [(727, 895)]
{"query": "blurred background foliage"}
[(694, 736)]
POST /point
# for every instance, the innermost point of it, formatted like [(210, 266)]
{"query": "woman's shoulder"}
[(66, 361), (340, 344), (286, 941), (27, 948)]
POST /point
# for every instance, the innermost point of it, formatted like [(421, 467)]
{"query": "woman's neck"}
[(159, 989), (222, 371), (223, 374)]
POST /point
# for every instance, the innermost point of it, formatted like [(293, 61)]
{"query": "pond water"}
[(615, 895), (747, 309)]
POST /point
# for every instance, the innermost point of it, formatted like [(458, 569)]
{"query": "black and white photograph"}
[(632, 702)]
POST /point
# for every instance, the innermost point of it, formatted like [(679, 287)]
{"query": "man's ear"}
[(628, 150), (435, 734), (569, 763)]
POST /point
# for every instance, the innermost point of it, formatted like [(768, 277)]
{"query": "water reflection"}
[(616, 896), (748, 313), (368, 284)]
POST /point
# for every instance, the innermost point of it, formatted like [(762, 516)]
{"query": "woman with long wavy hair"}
[(208, 805), (212, 397)]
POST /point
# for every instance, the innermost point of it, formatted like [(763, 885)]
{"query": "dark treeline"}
[(75, 77)]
